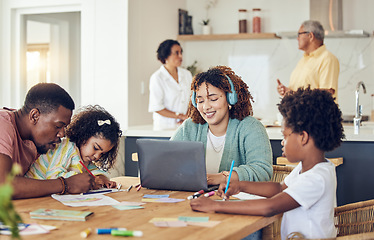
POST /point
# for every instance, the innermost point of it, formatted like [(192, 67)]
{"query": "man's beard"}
[(42, 149)]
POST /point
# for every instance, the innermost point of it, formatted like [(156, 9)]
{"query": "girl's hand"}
[(234, 188), (215, 179), (203, 204), (103, 181), (110, 184)]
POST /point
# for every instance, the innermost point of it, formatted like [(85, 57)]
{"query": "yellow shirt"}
[(319, 69)]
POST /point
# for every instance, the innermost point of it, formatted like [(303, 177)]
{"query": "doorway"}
[(52, 51)]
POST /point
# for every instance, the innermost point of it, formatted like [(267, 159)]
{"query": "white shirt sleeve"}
[(156, 94)]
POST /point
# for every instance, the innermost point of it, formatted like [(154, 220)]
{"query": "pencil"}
[(87, 169), (228, 180)]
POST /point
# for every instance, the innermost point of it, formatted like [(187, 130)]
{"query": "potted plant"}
[(8, 215), (206, 27), (205, 22)]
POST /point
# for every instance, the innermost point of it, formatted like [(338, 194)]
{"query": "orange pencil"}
[(87, 169)]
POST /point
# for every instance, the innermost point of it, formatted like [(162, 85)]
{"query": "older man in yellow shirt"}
[(318, 68)]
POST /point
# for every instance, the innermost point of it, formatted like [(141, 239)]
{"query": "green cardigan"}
[(246, 142)]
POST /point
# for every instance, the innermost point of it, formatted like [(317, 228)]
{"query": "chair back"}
[(355, 218), (272, 231), (280, 173)]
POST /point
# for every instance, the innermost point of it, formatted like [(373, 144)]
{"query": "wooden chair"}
[(283, 161), (272, 231), (355, 218), (354, 221)]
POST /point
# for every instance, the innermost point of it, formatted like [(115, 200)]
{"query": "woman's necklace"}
[(220, 146)]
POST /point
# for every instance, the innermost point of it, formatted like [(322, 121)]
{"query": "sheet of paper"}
[(31, 229), (158, 219), (193, 219), (247, 196), (85, 200), (125, 203), (149, 200), (155, 196), (170, 224), (170, 200), (37, 229)]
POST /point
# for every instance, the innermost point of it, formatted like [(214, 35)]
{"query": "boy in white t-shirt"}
[(312, 125)]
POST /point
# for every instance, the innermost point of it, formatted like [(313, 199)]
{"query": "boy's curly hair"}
[(216, 77), (84, 125), (315, 112)]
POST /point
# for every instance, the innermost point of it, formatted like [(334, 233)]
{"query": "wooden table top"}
[(230, 227)]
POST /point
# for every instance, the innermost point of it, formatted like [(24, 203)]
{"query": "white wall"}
[(224, 16), (104, 60), (150, 23), (38, 32), (103, 50), (1, 49)]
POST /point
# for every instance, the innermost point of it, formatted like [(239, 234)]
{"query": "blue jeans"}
[(254, 236)]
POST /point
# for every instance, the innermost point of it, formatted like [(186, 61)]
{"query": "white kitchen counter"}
[(366, 132)]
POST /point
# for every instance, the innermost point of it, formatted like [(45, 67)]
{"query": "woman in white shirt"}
[(169, 87)]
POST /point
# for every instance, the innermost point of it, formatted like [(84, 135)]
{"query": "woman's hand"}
[(216, 179), (203, 204)]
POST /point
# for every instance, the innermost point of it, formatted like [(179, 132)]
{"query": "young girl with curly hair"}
[(220, 114), (92, 139)]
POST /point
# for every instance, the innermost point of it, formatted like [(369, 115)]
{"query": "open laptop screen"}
[(172, 165)]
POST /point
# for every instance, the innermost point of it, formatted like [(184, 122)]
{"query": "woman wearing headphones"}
[(220, 114)]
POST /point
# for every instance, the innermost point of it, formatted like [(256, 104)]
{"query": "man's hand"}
[(80, 183), (281, 88)]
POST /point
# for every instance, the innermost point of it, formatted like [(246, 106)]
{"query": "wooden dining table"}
[(230, 227)]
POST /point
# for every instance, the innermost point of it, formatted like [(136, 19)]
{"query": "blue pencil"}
[(228, 180), (99, 191)]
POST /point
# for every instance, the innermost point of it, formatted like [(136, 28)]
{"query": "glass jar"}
[(256, 20), (242, 20)]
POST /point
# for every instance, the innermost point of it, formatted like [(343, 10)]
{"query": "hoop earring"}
[(230, 107)]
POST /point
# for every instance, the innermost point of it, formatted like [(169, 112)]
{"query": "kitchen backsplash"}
[(261, 62)]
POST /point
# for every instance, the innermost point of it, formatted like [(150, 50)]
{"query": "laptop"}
[(172, 165)]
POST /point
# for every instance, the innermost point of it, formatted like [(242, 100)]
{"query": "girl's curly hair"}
[(216, 77), (315, 112), (84, 125)]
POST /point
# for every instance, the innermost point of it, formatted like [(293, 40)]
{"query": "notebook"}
[(56, 214), (172, 165)]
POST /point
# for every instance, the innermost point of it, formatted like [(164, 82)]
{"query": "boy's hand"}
[(234, 188), (203, 204)]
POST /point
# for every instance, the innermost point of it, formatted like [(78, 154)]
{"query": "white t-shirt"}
[(214, 151), (315, 191), (165, 92)]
